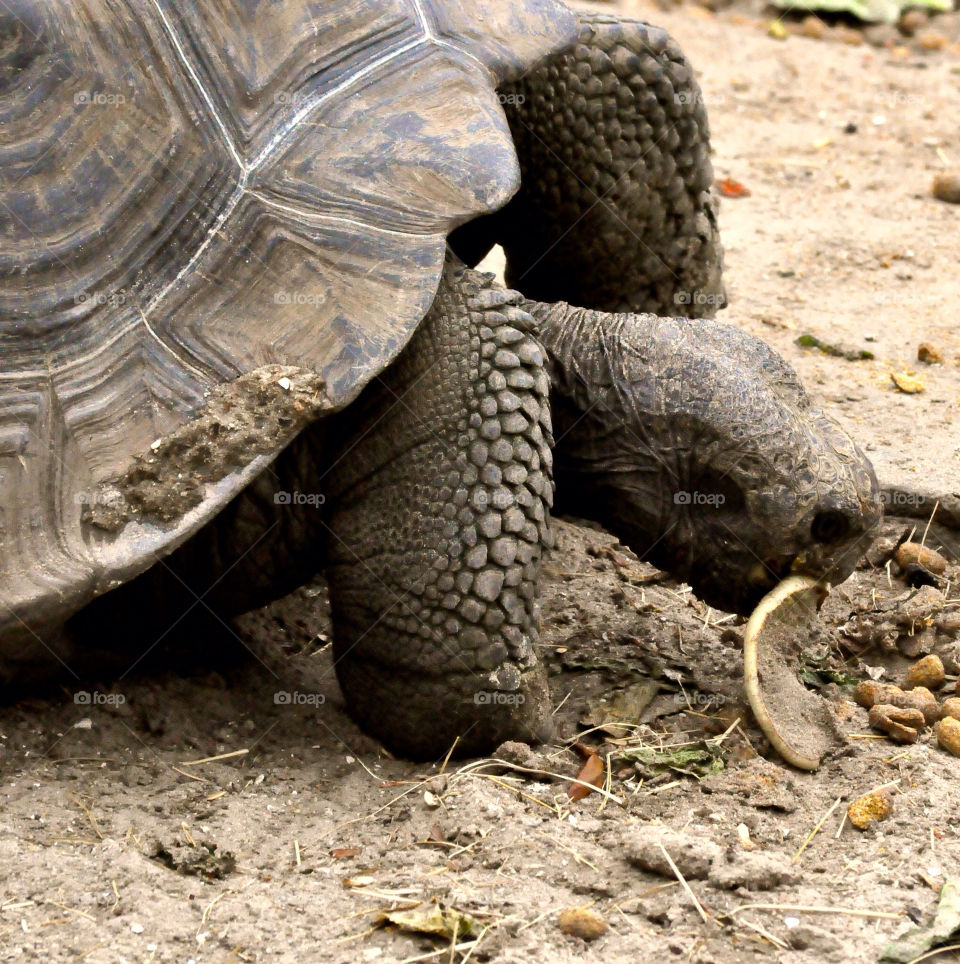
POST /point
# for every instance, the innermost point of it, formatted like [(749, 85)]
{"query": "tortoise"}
[(243, 340)]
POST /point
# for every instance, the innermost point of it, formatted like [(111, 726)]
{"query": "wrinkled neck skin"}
[(611, 469), (696, 445)]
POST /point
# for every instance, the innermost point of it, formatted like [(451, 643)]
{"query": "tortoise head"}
[(696, 444)]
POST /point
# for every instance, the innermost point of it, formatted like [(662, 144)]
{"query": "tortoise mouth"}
[(740, 593)]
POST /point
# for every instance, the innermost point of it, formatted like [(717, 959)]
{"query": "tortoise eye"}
[(829, 526)]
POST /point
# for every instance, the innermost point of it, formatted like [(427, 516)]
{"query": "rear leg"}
[(615, 210)]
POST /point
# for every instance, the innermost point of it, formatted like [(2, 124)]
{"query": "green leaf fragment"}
[(851, 354), (693, 761), (872, 11), (944, 929)]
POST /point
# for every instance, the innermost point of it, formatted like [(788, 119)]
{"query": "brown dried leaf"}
[(592, 773)]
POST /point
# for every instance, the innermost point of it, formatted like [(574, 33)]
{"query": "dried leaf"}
[(728, 187), (907, 382), (592, 772), (431, 919), (341, 853)]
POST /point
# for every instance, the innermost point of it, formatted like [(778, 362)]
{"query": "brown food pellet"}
[(920, 698), (948, 735), (951, 708), (899, 723), (925, 672), (913, 552), (929, 353), (579, 922), (870, 808), (870, 692)]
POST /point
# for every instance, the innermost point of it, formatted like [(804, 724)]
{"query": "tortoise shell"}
[(219, 219)]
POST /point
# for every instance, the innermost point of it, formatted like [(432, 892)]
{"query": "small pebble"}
[(848, 35), (948, 623), (913, 20), (881, 35), (813, 27), (951, 708), (948, 735), (929, 353), (925, 672), (579, 922), (946, 187), (901, 724), (932, 40), (870, 808)]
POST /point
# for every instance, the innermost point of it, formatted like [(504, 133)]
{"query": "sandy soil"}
[(116, 844)]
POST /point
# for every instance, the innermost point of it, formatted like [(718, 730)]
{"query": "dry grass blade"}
[(476, 765), (763, 932), (816, 830), (579, 858), (90, 816), (685, 885), (934, 953), (814, 909), (71, 910), (214, 759)]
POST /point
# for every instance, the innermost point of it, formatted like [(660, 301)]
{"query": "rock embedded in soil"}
[(520, 754), (900, 724), (926, 672), (692, 855), (870, 809), (755, 871), (912, 553), (948, 735)]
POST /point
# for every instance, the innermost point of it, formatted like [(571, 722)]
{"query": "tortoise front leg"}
[(439, 487), (615, 209)]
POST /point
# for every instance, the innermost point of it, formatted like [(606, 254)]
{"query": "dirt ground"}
[(118, 843)]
